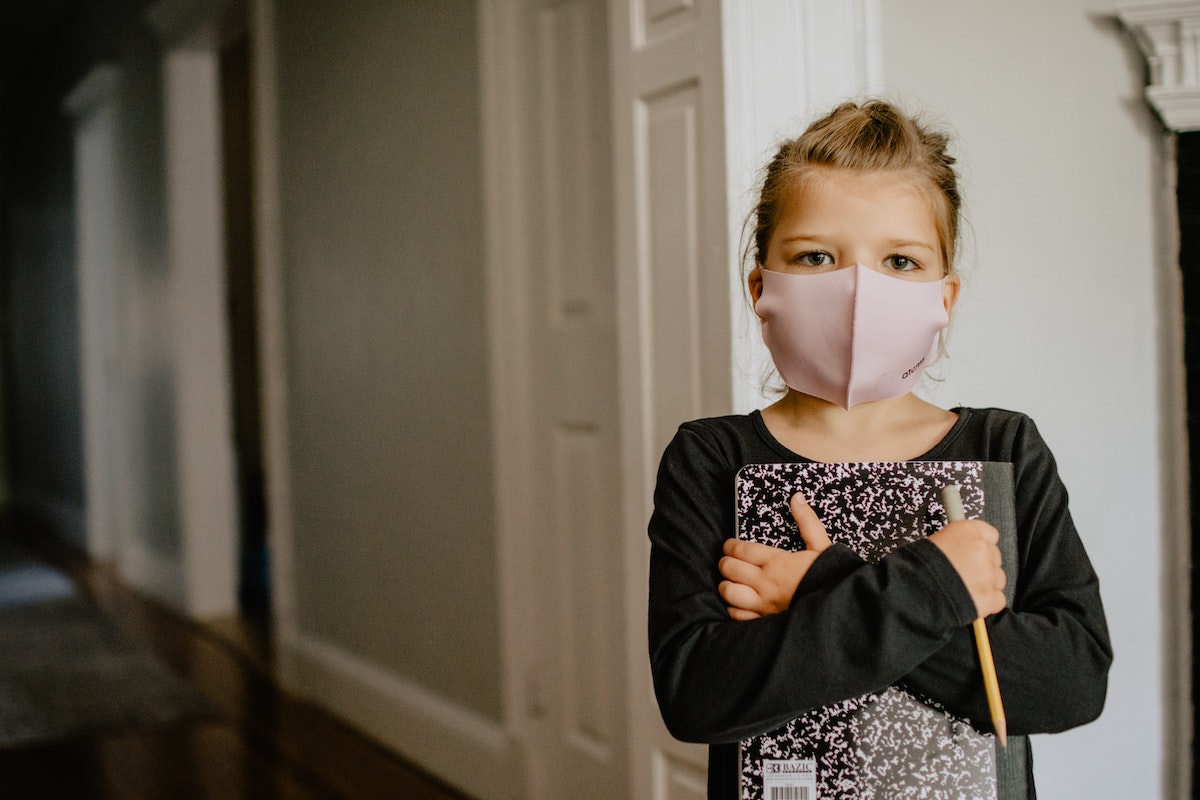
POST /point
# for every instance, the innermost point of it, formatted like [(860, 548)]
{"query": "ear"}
[(950, 293), (754, 282)]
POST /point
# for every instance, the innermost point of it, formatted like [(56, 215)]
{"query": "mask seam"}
[(854, 333)]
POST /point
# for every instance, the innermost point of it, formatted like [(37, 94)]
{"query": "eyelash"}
[(913, 263), (804, 260)]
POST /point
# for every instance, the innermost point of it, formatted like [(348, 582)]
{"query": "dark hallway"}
[(157, 421), (253, 741)]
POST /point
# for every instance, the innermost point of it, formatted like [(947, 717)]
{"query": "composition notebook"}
[(888, 745)]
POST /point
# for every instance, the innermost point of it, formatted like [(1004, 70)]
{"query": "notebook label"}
[(791, 779)]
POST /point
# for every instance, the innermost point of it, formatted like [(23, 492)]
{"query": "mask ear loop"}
[(941, 355)]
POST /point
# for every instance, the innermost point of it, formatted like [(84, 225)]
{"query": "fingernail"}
[(799, 497)]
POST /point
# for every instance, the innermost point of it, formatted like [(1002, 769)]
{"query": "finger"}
[(755, 553), (812, 530), (742, 615), (999, 602), (975, 527), (738, 595), (989, 602), (736, 570)]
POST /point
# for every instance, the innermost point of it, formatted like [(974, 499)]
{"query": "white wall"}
[(1060, 312)]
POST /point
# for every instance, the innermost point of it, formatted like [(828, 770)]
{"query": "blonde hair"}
[(874, 136)]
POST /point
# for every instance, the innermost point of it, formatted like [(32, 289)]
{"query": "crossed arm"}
[(745, 637), (760, 580)]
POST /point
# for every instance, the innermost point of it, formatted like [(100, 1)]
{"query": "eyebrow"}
[(911, 243), (816, 239)]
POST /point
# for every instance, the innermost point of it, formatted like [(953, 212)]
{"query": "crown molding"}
[(1168, 35)]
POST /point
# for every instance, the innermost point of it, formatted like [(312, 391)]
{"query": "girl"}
[(745, 637)]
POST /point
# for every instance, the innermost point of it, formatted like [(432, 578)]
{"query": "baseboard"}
[(160, 577), (453, 743)]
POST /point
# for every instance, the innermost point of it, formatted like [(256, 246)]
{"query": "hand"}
[(971, 547), (761, 580)]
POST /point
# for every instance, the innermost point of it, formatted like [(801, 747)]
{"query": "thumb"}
[(812, 531)]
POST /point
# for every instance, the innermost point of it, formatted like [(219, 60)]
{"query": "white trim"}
[(465, 749), (155, 574), (1178, 107), (1168, 35), (200, 360), (192, 32), (99, 237), (506, 135)]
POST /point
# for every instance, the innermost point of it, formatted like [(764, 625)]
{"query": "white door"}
[(550, 206), (673, 293), (579, 662)]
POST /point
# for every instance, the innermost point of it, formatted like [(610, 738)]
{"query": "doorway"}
[(253, 583), (1187, 193)]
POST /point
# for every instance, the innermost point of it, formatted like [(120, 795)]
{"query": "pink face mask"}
[(851, 335)]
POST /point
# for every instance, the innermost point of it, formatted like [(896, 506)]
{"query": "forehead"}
[(838, 192)]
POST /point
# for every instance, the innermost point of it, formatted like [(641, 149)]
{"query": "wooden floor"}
[(265, 744)]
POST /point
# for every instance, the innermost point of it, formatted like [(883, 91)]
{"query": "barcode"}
[(789, 793)]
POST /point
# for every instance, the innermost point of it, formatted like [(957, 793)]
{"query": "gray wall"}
[(390, 449), (389, 441)]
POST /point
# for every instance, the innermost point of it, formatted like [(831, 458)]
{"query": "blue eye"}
[(814, 258)]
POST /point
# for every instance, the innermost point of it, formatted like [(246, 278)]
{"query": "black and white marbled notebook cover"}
[(883, 745)]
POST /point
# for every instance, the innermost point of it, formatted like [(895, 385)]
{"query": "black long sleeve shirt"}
[(854, 627)]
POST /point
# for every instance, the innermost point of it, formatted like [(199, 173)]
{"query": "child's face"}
[(839, 218)]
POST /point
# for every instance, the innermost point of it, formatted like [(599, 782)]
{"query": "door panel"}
[(579, 732), (674, 305)]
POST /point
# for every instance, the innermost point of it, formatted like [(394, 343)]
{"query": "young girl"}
[(745, 637)]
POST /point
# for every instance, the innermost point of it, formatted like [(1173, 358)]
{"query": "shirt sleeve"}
[(1051, 647), (852, 628)]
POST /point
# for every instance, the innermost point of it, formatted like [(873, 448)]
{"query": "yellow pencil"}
[(952, 501)]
